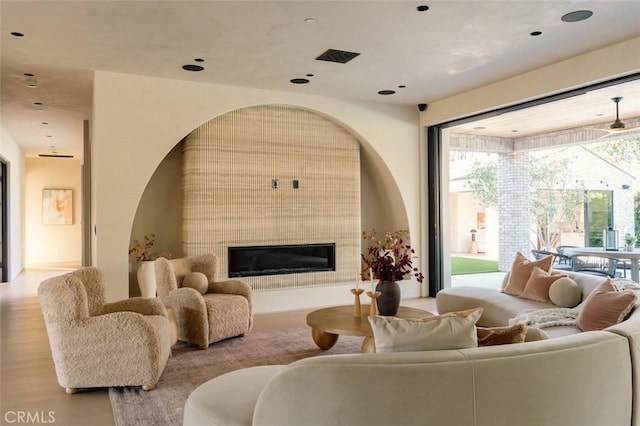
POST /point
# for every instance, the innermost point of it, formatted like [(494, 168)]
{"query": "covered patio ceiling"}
[(554, 121)]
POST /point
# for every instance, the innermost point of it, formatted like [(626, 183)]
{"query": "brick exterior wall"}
[(513, 207)]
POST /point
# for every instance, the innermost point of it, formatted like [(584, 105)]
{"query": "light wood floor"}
[(27, 376)]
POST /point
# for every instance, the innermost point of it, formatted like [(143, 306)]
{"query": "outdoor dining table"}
[(633, 256)]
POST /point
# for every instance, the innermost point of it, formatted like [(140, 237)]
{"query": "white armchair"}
[(99, 344), (223, 311)]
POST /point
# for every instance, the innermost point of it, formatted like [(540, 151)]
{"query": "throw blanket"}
[(623, 284), (543, 318)]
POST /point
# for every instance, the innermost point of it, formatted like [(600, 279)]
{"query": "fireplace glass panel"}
[(281, 259)]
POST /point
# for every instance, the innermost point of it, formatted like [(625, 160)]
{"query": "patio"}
[(494, 279), (488, 279)]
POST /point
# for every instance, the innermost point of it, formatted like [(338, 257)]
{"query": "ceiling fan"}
[(617, 124), (618, 127)]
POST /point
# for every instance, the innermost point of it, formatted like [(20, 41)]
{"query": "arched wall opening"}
[(249, 147)]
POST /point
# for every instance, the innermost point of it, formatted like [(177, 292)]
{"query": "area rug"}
[(189, 367)]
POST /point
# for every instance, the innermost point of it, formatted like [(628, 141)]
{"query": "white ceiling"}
[(452, 47)]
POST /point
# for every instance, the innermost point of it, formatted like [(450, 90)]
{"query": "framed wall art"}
[(57, 207), (480, 220)]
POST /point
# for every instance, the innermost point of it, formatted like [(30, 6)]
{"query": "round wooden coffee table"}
[(329, 323)]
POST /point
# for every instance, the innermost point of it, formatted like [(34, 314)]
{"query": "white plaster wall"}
[(453, 222), (52, 245), (468, 207), (599, 65), (491, 234), (137, 120), (14, 157), (465, 207)]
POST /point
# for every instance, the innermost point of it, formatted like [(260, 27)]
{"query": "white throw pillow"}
[(455, 330), (565, 292), (197, 281)]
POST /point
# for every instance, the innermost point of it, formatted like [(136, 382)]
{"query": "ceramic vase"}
[(389, 300), (147, 278)]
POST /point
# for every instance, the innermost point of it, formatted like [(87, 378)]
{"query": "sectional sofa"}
[(500, 307), (573, 378)]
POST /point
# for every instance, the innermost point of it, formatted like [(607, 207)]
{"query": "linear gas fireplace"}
[(281, 259)]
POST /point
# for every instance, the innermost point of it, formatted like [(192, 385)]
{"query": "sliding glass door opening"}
[(506, 187)]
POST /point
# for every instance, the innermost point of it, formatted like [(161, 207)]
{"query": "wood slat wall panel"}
[(230, 162)]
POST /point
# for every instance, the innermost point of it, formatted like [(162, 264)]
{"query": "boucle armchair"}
[(99, 344), (223, 311)]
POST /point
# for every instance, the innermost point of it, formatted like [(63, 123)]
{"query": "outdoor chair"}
[(558, 260), (599, 265), (562, 258), (624, 265), (541, 254)]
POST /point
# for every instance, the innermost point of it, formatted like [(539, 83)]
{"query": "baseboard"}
[(54, 265), (317, 297)]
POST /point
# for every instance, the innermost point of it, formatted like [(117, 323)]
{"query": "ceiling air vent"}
[(339, 56)]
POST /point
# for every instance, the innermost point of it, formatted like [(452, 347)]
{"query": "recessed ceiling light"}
[(28, 74), (310, 20), (190, 67), (577, 16), (44, 122), (17, 34), (514, 131), (479, 128), (37, 103), (402, 86), (310, 75), (599, 115), (535, 33), (422, 8), (386, 92), (31, 83), (49, 136), (199, 60), (299, 80)]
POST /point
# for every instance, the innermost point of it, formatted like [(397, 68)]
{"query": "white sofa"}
[(584, 379), (581, 379), (500, 307)]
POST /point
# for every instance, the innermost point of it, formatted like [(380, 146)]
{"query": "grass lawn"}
[(465, 265)]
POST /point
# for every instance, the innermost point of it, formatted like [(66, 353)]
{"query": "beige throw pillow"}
[(521, 271), (535, 334), (197, 281), (565, 293), (455, 330), (605, 306), (537, 287)]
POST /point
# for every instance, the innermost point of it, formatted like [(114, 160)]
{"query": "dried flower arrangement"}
[(142, 252), (390, 258)]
